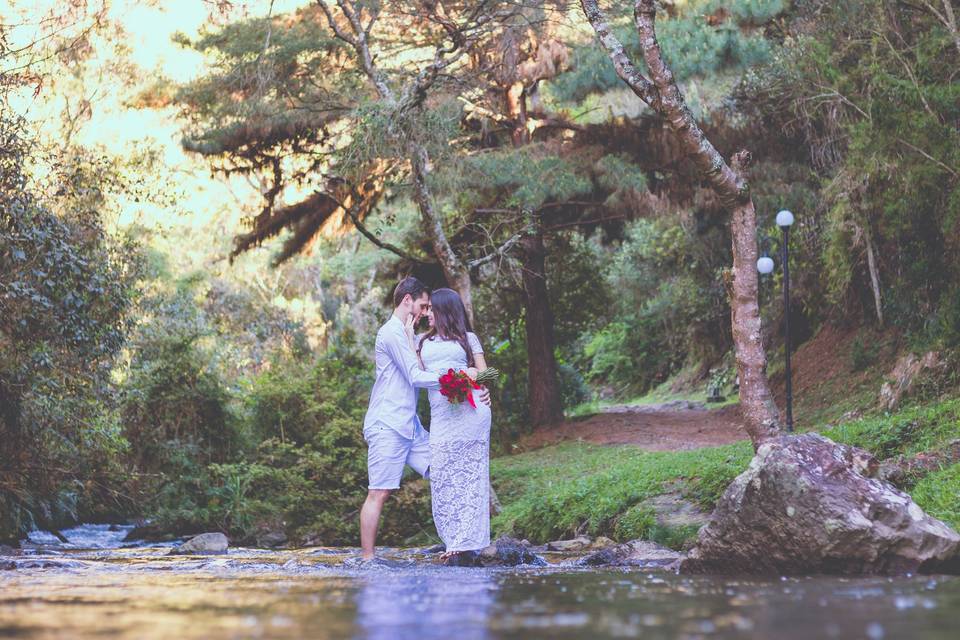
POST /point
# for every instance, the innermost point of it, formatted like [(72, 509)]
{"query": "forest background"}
[(204, 207)]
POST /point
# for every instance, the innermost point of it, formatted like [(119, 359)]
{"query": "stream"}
[(93, 586)]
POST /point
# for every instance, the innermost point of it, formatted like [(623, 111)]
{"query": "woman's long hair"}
[(449, 321)]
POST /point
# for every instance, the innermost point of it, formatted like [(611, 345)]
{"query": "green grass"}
[(551, 493), (939, 495), (912, 430)]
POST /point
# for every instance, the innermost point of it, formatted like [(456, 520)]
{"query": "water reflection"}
[(434, 602), (132, 594)]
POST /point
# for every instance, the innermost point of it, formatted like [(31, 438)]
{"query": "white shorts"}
[(388, 452)]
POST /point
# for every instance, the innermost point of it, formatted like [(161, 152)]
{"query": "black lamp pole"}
[(784, 221)]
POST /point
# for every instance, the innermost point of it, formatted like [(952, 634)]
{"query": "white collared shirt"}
[(393, 399)]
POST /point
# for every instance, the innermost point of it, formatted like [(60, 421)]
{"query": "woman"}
[(459, 433)]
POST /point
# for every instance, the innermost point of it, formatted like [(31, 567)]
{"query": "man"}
[(393, 432)]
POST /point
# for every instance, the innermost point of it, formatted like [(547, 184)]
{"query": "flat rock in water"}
[(577, 544), (203, 544), (637, 553), (39, 563), (809, 505), (504, 552)]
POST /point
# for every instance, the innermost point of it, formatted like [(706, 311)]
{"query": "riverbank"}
[(624, 492)]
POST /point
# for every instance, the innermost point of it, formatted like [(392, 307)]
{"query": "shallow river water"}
[(312, 593)]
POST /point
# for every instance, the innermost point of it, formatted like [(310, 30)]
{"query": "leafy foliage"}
[(705, 37), (65, 287)]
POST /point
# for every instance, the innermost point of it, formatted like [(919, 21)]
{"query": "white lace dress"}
[(459, 454)]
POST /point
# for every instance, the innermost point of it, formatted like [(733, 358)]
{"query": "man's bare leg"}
[(370, 520)]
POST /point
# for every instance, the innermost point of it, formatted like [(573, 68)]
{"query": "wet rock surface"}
[(26, 562), (809, 505), (576, 544), (637, 553), (504, 552), (203, 544)]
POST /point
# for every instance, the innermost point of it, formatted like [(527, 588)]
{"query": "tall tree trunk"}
[(454, 270), (874, 273), (662, 94), (545, 401), (756, 402), (546, 405)]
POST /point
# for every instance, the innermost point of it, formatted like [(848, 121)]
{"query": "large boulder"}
[(204, 544), (809, 505)]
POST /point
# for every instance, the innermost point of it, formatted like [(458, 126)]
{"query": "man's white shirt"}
[(393, 399)]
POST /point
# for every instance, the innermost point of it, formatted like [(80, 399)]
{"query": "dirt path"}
[(673, 426)]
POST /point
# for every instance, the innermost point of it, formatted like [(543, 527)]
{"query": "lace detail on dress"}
[(460, 488)]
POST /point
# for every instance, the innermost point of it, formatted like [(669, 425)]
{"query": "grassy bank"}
[(574, 487)]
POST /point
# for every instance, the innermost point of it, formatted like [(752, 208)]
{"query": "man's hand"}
[(484, 395), (409, 326)]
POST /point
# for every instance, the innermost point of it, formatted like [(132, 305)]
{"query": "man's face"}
[(420, 306)]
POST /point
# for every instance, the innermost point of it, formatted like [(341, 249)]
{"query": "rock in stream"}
[(203, 544), (504, 552), (809, 505)]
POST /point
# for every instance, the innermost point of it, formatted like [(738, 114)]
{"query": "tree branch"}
[(380, 243), (499, 251), (621, 62), (369, 235)]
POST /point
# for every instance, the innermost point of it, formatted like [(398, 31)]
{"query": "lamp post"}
[(765, 265), (785, 221)]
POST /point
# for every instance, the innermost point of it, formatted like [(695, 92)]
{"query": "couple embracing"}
[(455, 454)]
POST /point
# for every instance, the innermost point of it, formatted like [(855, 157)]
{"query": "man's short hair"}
[(409, 285)]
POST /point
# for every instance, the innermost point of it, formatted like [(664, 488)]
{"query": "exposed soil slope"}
[(673, 426)]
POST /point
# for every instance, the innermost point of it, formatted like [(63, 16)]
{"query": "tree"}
[(352, 132), (272, 111), (662, 94), (65, 287)]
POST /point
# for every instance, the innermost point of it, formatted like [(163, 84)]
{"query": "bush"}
[(297, 465)]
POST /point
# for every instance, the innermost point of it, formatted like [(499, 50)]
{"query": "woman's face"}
[(430, 319)]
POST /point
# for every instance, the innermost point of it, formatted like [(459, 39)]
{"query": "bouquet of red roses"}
[(457, 386)]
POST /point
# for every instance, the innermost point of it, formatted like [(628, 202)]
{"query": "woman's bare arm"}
[(479, 361)]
